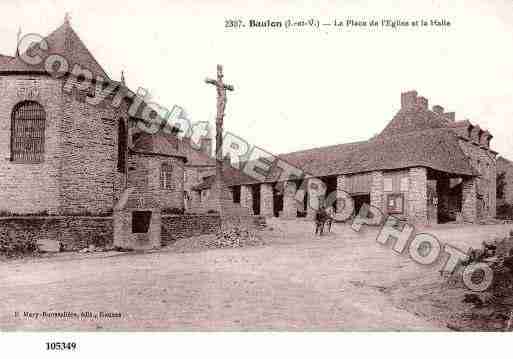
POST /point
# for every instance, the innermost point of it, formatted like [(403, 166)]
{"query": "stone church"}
[(64, 150)]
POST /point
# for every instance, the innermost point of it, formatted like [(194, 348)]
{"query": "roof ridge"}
[(414, 119), (323, 147)]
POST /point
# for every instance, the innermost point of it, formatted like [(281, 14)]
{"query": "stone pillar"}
[(289, 200), (316, 191), (376, 195), (266, 200), (341, 187), (417, 195), (246, 197), (469, 200)]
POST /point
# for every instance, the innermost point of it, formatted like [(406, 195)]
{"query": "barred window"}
[(166, 176), (28, 132)]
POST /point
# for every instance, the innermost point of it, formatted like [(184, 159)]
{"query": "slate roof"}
[(157, 144), (231, 176), (65, 42), (415, 137), (413, 119), (195, 157)]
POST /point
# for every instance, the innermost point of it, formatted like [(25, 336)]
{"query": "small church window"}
[(28, 132), (166, 176)]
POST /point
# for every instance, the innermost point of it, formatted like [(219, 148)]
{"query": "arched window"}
[(28, 132), (166, 176), (122, 145)]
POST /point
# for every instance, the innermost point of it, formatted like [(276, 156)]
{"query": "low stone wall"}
[(76, 232), (176, 227), (72, 231)]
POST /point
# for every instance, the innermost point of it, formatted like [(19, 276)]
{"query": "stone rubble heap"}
[(236, 236), (232, 237)]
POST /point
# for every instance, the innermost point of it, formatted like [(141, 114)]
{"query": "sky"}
[(297, 89)]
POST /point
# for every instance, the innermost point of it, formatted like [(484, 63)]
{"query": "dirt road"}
[(344, 281)]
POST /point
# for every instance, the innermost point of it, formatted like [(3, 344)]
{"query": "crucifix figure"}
[(221, 88)]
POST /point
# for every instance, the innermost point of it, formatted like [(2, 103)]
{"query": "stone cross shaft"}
[(221, 88)]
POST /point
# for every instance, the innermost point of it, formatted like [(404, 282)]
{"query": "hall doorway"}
[(359, 200)]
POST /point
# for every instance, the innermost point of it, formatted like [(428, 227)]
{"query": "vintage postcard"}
[(281, 166)]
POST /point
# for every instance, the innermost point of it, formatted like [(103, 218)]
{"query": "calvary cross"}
[(221, 88)]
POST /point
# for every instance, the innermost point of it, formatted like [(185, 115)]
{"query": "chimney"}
[(408, 99), (438, 110), (451, 116), (206, 145), (422, 102)]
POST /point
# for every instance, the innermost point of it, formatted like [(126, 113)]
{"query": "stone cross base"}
[(137, 229)]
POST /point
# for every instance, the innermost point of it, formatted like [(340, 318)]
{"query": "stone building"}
[(67, 149), (200, 166), (505, 167), (424, 167)]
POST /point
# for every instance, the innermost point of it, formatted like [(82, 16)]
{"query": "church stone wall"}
[(79, 171), (89, 158), (30, 188)]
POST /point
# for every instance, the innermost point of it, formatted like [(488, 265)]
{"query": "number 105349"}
[(61, 346)]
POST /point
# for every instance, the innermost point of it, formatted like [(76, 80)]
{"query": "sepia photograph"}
[(274, 166)]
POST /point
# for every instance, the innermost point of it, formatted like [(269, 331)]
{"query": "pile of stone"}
[(236, 236), (232, 237)]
